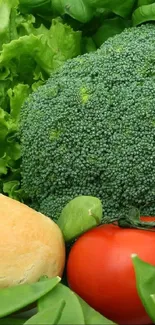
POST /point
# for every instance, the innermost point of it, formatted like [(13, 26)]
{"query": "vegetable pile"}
[(77, 143), (36, 38), (56, 304), (99, 266)]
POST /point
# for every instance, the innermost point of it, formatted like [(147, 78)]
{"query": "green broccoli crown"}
[(90, 130)]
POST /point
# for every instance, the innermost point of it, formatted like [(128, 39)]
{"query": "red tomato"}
[(100, 270)]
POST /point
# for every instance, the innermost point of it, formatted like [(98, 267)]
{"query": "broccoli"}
[(90, 130)]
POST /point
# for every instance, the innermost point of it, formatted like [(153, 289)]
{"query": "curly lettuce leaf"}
[(24, 24), (10, 153), (61, 44), (13, 189), (9, 148), (4, 85), (17, 96), (41, 53), (28, 56)]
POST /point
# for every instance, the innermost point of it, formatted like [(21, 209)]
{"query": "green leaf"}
[(62, 43), (144, 2), (79, 215), (96, 3), (76, 310), (3, 165), (78, 10), (119, 7), (109, 28), (11, 321), (29, 55), (57, 7), (37, 6), (13, 190), (13, 150), (88, 45), (4, 124), (4, 85), (37, 84), (143, 14), (23, 55), (24, 24), (9, 147), (153, 311), (91, 316), (17, 297), (17, 96), (5, 11), (72, 313), (145, 282), (7, 20), (33, 3), (48, 316), (41, 52), (4, 16)]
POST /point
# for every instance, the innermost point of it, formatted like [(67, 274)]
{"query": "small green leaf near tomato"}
[(15, 298), (145, 282)]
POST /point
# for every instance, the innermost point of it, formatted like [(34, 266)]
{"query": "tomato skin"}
[(100, 270)]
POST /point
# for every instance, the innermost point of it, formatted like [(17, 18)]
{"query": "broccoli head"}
[(90, 130)]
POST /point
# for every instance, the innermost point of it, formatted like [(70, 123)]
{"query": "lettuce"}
[(28, 55)]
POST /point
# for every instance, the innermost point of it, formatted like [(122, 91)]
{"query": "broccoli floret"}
[(90, 130)]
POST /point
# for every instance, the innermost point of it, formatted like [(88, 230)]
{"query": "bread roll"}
[(31, 244)]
